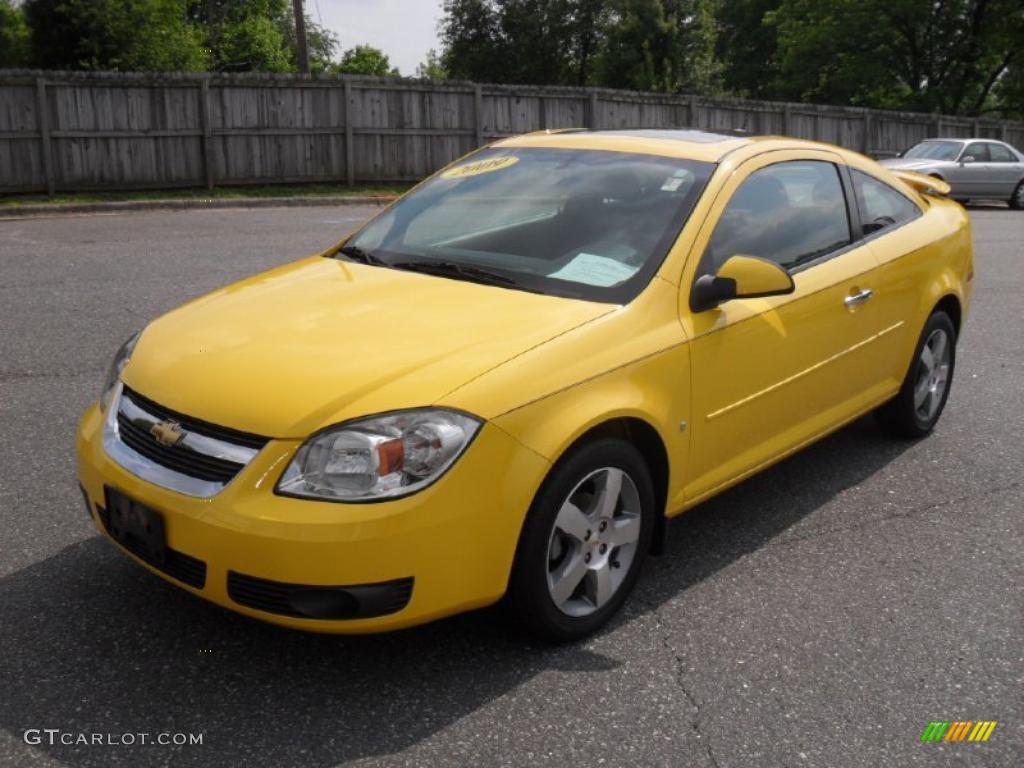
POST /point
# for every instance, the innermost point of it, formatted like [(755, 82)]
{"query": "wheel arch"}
[(643, 436), (950, 304)]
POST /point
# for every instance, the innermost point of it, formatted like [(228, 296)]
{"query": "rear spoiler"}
[(926, 185)]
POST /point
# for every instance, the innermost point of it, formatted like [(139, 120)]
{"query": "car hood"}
[(911, 164), (287, 352)]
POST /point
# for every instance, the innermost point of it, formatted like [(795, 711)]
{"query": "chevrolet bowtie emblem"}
[(167, 433)]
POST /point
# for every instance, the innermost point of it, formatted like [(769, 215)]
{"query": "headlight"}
[(379, 457), (124, 354)]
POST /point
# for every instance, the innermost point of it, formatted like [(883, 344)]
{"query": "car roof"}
[(691, 144), (962, 140)]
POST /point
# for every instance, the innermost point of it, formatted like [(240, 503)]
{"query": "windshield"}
[(934, 150), (580, 223)]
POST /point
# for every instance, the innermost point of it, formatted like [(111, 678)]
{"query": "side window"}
[(789, 213), (999, 154), (978, 150), (881, 206)]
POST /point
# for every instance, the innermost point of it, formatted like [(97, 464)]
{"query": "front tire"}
[(915, 411), (584, 541), (1017, 198)]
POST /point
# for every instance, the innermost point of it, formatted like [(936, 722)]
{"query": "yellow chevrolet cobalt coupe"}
[(504, 383)]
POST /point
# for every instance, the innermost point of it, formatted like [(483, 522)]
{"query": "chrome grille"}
[(205, 458)]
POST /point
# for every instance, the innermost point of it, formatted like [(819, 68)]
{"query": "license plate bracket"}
[(138, 528)]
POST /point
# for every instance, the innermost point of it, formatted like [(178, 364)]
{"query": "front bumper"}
[(455, 539)]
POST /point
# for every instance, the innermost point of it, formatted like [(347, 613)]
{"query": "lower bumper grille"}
[(185, 568), (361, 601)]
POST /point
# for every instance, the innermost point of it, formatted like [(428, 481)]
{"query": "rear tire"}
[(584, 541), (1017, 198), (916, 409)]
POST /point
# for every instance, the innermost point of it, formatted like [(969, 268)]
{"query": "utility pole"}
[(302, 47)]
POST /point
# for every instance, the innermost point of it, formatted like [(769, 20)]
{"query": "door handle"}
[(858, 298)]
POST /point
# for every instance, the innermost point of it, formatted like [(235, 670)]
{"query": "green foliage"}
[(469, 37), (258, 36), (954, 56), (253, 44), (945, 56), (432, 68), (957, 56), (113, 34), (664, 45), (14, 36), (365, 60)]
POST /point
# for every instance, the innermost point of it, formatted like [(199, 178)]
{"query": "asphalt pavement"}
[(819, 614)]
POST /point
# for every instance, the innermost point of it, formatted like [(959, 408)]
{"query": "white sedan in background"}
[(976, 169)]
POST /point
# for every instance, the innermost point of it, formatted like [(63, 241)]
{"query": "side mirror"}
[(967, 159), (740, 277)]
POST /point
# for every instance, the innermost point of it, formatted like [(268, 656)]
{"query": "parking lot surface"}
[(819, 614)]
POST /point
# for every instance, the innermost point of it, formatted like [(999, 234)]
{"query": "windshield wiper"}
[(355, 253), (457, 271)]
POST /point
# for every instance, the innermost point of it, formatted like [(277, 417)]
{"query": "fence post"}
[(976, 126), (350, 150), (787, 118), (43, 121), (938, 125), (204, 119), (1002, 130), (542, 112), (694, 115), (866, 144), (478, 113), (592, 117)]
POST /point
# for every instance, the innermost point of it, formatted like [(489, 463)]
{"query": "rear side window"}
[(790, 213), (881, 206), (1000, 154), (978, 150)]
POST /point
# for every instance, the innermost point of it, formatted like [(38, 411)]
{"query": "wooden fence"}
[(88, 131)]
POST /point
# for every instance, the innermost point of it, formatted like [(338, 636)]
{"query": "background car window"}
[(934, 150), (999, 154), (790, 213), (880, 205), (978, 150)]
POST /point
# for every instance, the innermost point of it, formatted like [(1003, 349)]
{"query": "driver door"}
[(770, 374)]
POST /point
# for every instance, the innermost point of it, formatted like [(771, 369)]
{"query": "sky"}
[(404, 29)]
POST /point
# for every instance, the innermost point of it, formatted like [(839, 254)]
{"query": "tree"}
[(366, 60), (538, 42), (113, 34), (432, 68), (258, 36), (746, 47), (640, 50), (913, 54), (254, 44), (1008, 101), (14, 36), (469, 39)]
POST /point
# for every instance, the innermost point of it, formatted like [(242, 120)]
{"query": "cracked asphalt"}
[(819, 614)]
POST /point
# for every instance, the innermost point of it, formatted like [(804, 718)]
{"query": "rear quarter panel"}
[(921, 263)]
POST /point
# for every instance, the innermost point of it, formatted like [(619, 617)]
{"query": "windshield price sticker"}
[(480, 166)]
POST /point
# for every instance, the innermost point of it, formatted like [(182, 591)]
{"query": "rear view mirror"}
[(740, 277)]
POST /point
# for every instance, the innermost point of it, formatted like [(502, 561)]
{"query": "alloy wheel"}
[(593, 541), (933, 375)]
